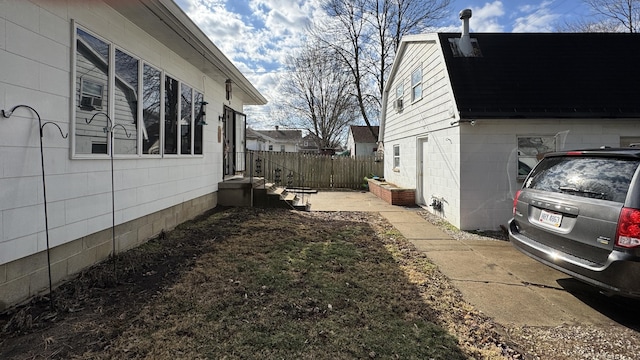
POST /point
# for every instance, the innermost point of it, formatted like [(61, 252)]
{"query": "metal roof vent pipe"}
[(464, 43)]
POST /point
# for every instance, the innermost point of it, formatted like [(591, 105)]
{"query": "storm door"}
[(234, 141)]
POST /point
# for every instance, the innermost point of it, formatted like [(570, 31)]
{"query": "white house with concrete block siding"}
[(131, 83), (466, 116)]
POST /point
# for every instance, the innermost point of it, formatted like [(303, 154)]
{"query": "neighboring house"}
[(464, 118), (136, 76), (274, 140), (309, 144), (361, 142), (255, 141)]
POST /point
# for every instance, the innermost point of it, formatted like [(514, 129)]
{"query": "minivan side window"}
[(592, 177)]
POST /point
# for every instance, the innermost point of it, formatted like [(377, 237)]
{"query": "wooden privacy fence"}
[(312, 170)]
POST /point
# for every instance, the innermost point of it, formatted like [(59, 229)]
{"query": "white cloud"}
[(257, 41), (537, 18), (486, 18)]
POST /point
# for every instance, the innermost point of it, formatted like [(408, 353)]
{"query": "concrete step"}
[(247, 191), (288, 197)]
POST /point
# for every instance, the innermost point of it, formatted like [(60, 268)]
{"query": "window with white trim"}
[(396, 156), (186, 119), (92, 93), (416, 84), (151, 101), (530, 151), (125, 100), (112, 88)]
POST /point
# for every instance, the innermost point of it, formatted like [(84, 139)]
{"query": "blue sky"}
[(257, 35)]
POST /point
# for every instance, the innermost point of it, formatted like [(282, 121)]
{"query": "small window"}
[(270, 147), (416, 84), (530, 151), (400, 91), (282, 148), (91, 95), (396, 156)]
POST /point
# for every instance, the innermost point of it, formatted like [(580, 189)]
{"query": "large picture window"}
[(92, 93), (126, 104), (170, 115), (120, 98), (198, 110), (151, 97), (186, 119)]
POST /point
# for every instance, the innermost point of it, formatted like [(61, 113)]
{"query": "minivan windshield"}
[(592, 177)]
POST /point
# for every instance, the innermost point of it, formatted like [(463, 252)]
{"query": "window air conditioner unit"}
[(398, 104), (90, 102)]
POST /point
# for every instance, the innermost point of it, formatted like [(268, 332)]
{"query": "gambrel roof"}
[(550, 75), (536, 75)]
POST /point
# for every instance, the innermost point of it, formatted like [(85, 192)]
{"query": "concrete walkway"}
[(497, 279)]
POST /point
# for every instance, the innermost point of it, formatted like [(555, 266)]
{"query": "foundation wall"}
[(29, 276)]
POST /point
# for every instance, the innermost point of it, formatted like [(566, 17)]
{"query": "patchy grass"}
[(250, 283)]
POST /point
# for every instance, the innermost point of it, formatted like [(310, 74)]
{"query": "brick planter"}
[(391, 193)]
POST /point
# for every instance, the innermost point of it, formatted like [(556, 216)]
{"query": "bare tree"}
[(584, 26), (608, 16), (626, 13), (318, 95), (365, 34)]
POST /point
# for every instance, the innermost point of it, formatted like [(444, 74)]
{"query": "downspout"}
[(383, 117)]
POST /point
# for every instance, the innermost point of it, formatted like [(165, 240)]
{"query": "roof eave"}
[(165, 21)]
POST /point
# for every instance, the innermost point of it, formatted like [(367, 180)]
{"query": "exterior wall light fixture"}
[(228, 88)]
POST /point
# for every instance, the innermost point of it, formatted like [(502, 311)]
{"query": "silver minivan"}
[(579, 212)]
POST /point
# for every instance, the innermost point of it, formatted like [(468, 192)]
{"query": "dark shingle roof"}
[(362, 134), (564, 75), (282, 135)]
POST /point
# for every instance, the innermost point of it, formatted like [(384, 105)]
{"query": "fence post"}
[(331, 179)]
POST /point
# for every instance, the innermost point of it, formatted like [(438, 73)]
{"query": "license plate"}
[(549, 218)]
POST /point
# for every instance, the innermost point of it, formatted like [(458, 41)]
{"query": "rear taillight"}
[(628, 233), (515, 201)]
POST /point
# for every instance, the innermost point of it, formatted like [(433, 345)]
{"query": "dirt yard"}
[(251, 283)]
